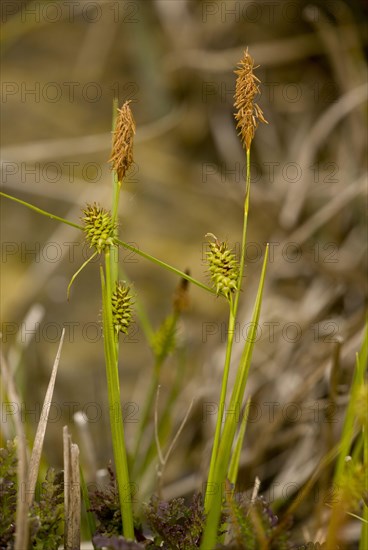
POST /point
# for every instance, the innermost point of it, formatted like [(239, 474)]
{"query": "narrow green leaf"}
[(364, 534), (347, 437), (348, 427), (235, 459), (214, 492), (87, 505)]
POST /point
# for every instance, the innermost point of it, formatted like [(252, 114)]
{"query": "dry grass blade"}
[(327, 211), (21, 521), (41, 428), (317, 135), (74, 519), (72, 494), (66, 452)]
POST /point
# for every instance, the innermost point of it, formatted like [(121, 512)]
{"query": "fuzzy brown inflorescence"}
[(248, 112), (122, 147)]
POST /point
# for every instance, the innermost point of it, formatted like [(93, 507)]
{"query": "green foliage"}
[(8, 494), (47, 513), (253, 523), (175, 525), (178, 526)]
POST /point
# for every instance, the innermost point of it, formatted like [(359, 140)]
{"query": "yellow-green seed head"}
[(122, 306), (164, 340), (98, 227), (353, 484), (223, 268)]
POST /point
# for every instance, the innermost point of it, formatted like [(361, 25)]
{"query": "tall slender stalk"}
[(215, 493), (233, 305), (248, 115), (121, 159), (115, 410)]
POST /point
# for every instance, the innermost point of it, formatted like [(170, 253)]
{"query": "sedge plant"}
[(227, 276), (100, 228), (101, 231)]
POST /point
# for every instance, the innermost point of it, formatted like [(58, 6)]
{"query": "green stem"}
[(230, 338), (112, 370), (244, 236), (43, 212), (147, 411), (115, 200), (220, 414), (116, 417), (165, 265)]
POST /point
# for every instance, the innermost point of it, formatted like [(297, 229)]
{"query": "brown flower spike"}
[(122, 147), (248, 113)]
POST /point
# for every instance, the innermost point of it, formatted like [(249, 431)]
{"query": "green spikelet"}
[(223, 267), (353, 483), (99, 227), (164, 340), (122, 305)]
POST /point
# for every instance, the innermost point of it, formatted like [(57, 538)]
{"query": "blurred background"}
[(62, 65)]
